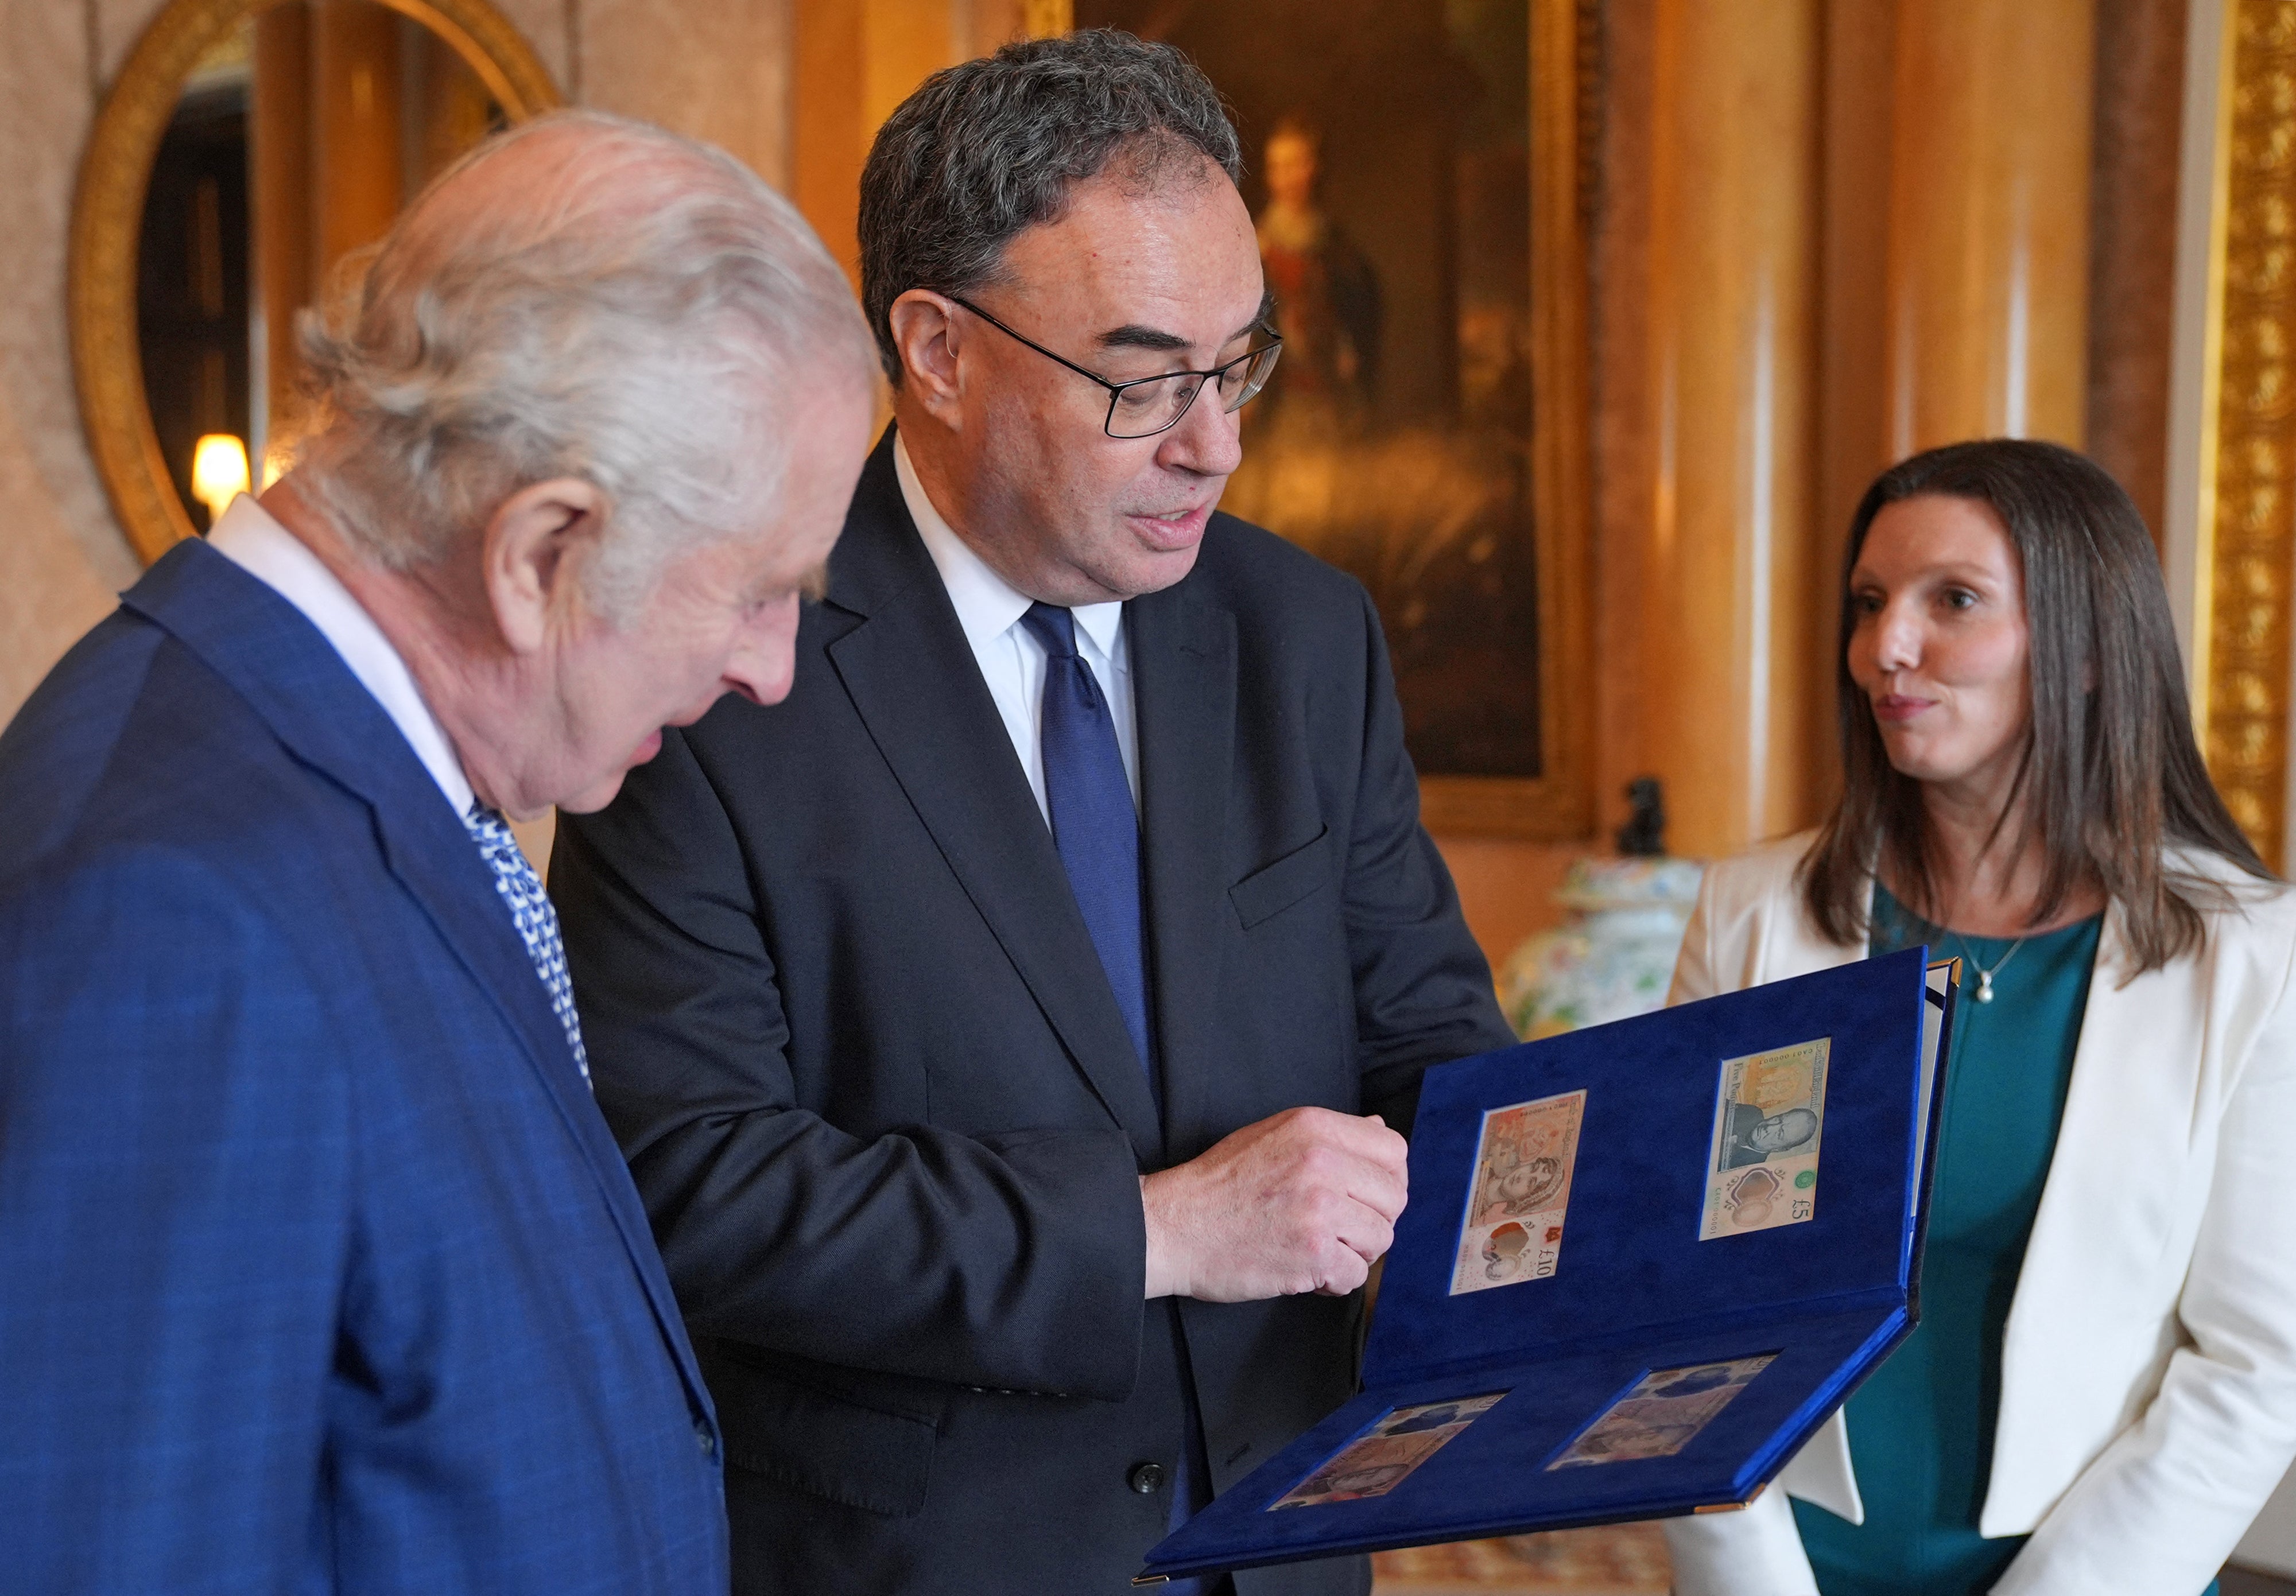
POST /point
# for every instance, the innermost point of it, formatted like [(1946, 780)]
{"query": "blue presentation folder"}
[(1637, 1305)]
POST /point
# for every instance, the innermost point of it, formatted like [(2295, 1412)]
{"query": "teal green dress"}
[(1920, 1430)]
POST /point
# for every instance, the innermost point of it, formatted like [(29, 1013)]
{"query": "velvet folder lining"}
[(1635, 1289)]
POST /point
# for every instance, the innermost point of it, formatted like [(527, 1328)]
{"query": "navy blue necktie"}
[(1096, 826)]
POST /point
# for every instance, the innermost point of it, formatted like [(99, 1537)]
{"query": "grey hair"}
[(986, 149), (640, 320)]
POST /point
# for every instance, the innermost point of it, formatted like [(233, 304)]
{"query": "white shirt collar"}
[(986, 605), (251, 538)]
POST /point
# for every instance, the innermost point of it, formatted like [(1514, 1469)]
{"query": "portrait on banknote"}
[(1518, 1194), (1769, 1118), (1380, 1459), (1662, 1415)]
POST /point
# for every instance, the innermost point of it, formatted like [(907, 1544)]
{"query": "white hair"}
[(643, 320)]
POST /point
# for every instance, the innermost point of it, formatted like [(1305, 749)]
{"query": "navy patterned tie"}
[(531, 912), (1096, 828), (1094, 825)]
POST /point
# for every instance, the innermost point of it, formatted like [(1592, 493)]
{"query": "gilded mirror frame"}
[(107, 226)]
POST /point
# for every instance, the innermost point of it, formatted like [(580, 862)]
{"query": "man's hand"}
[(1304, 1201)]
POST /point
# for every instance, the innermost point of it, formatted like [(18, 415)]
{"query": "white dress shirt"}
[(1012, 660), (251, 538)]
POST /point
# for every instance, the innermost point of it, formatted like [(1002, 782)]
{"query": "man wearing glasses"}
[(1012, 1033)]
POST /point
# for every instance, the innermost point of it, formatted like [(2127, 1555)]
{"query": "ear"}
[(538, 543), (929, 335)]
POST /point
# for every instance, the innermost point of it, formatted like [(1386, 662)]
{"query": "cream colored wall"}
[(1508, 887), (716, 68), (60, 556)]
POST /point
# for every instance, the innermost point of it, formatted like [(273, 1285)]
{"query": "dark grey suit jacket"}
[(844, 1016)]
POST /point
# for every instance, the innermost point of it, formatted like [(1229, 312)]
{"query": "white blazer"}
[(2148, 1384)]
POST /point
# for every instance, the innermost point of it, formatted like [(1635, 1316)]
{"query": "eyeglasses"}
[(1147, 406)]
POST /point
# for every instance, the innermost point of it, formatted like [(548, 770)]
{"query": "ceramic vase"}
[(1614, 958)]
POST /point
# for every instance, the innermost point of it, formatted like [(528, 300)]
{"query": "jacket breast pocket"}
[(1272, 888), (799, 1436)]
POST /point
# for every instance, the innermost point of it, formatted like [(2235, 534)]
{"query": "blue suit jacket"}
[(319, 1270)]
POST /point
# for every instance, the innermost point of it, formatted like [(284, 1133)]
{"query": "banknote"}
[(1379, 1460), (1512, 1231), (1662, 1415), (1769, 1119)]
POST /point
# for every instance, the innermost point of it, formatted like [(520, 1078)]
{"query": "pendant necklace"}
[(1984, 975)]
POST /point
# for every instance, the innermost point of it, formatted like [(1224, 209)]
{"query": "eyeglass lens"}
[(1143, 409)]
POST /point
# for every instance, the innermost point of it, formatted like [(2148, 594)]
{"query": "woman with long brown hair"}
[(2102, 1391)]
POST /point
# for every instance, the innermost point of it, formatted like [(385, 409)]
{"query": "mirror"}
[(246, 150)]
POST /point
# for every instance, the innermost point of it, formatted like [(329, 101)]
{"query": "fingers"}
[(1356, 1157), (1366, 1234), (1371, 1187), (1337, 1236), (1380, 1188), (1306, 1200), (1344, 1273), (1359, 1241), (1364, 1142), (1365, 1136)]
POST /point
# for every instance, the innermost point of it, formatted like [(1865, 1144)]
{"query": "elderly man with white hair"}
[(319, 1270)]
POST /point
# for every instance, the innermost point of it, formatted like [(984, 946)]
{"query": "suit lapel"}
[(911, 678), (2097, 1227), (2100, 1216), (280, 664), (1183, 696), (1791, 946)]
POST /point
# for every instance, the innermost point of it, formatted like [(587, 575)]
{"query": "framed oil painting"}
[(1414, 170)]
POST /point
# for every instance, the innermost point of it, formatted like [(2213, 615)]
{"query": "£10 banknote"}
[(1519, 1192)]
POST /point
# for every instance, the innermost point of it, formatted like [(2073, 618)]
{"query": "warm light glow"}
[(219, 472)]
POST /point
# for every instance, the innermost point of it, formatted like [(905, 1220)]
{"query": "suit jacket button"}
[(1147, 1479), (708, 1442)]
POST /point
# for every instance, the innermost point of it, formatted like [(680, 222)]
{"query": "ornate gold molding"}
[(107, 223), (2251, 534)]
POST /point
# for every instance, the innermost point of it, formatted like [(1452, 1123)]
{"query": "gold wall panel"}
[(2253, 537)]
